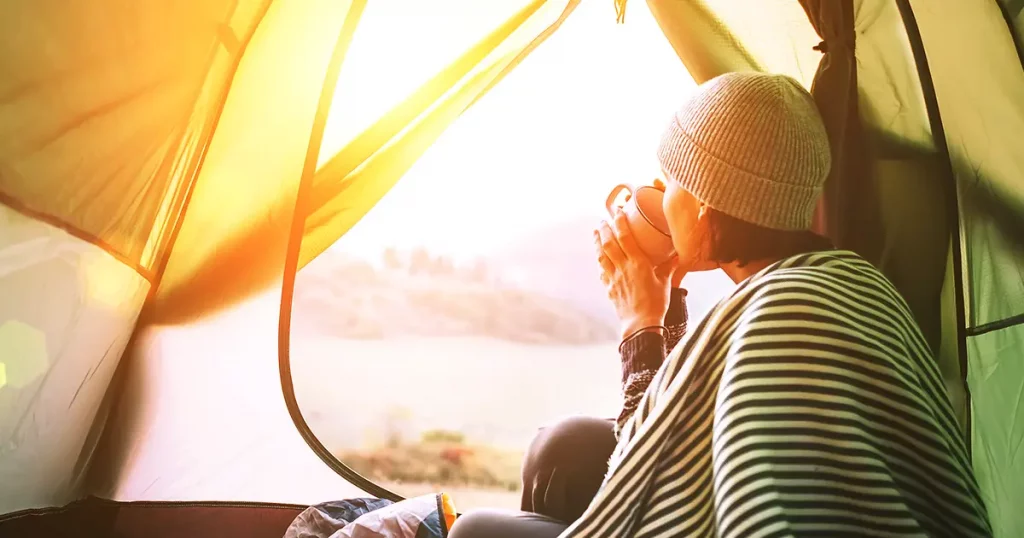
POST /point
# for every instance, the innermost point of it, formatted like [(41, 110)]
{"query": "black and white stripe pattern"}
[(642, 360), (806, 403)]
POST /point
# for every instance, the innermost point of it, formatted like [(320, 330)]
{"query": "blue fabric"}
[(419, 517), (432, 527), (324, 519)]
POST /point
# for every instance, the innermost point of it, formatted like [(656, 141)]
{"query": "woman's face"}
[(685, 222)]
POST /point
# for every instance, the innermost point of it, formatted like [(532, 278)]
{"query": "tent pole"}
[(298, 225), (953, 204), (1018, 41)]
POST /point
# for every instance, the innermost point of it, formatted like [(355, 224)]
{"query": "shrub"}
[(440, 458)]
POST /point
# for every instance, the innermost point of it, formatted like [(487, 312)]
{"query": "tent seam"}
[(78, 233), (211, 130)]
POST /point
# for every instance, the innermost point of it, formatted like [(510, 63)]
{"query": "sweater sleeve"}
[(642, 355)]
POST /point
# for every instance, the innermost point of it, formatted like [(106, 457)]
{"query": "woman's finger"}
[(607, 269), (625, 239), (606, 265), (609, 245)]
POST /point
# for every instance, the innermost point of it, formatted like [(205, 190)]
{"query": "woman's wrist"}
[(639, 325)]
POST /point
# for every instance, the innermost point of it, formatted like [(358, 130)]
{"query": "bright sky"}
[(582, 113)]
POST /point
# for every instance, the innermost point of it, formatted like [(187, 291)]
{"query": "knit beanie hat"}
[(750, 145)]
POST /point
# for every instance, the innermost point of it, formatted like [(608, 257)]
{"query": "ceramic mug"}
[(646, 220)]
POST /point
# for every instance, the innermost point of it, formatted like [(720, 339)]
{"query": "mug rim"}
[(644, 215)]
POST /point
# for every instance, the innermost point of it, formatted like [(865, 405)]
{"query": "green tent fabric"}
[(936, 203), (161, 161), (989, 181)]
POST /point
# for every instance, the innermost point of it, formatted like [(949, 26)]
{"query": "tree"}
[(420, 261), (392, 260), (480, 272), (442, 266)]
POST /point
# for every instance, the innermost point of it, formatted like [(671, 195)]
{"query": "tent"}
[(161, 160)]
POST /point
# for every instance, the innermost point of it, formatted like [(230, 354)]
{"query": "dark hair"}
[(727, 239)]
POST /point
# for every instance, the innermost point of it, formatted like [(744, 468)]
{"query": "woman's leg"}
[(565, 465), (505, 524), (562, 471)]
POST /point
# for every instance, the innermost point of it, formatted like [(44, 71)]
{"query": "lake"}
[(496, 393)]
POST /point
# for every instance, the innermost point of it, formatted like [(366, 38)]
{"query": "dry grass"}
[(440, 458)]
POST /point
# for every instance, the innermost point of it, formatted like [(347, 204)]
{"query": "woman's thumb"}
[(665, 270)]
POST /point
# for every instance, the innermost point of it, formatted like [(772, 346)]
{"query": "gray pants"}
[(562, 472)]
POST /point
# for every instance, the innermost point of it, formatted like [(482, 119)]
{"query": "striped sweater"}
[(806, 403)]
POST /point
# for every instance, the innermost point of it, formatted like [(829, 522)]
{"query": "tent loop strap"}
[(847, 42), (620, 11)]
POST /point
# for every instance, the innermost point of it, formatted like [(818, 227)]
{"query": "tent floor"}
[(102, 518)]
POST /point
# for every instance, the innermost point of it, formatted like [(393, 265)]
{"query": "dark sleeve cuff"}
[(676, 314), (643, 351)]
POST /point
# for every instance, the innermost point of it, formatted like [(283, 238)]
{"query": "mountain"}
[(425, 295), (543, 289)]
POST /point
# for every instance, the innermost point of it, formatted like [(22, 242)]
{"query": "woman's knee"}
[(476, 524), (569, 442)]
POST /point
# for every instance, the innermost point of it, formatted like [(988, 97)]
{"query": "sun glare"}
[(582, 113), (481, 277)]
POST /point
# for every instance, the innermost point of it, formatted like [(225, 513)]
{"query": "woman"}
[(806, 403)]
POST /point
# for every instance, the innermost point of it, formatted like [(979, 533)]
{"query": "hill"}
[(542, 289), (418, 294)]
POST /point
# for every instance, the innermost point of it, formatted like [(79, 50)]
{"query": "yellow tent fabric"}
[(105, 113), (173, 137), (231, 241), (357, 176), (275, 134), (214, 147), (228, 229)]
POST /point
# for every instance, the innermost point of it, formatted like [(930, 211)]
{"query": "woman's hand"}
[(638, 290)]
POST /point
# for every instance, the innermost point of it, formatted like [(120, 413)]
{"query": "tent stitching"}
[(226, 38)]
